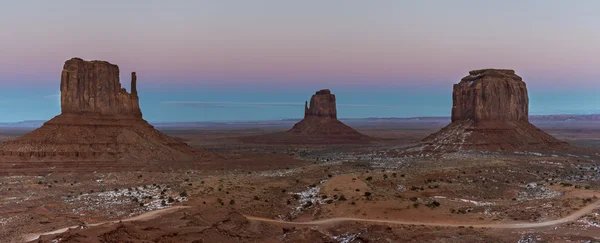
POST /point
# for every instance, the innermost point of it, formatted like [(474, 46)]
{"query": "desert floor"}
[(317, 193)]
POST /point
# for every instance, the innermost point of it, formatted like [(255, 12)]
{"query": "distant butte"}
[(320, 119), (320, 125), (490, 112), (99, 121)]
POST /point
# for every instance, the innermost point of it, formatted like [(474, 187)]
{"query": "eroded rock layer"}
[(320, 119), (319, 126), (100, 121), (94, 87), (490, 112)]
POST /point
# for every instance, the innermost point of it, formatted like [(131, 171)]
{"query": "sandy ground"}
[(315, 193)]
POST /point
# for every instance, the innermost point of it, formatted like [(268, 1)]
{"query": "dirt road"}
[(576, 215), (153, 214), (141, 217)]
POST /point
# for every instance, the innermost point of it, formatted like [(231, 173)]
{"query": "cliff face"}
[(320, 120), (322, 104), (490, 112), (100, 121), (94, 87), (490, 95)]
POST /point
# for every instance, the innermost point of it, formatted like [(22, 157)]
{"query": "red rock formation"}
[(319, 126), (322, 104), (100, 121), (94, 87), (490, 112), (490, 95), (320, 119)]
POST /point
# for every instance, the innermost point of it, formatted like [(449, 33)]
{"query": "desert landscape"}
[(98, 172), (267, 121)]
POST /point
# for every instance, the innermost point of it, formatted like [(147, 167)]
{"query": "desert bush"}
[(433, 204)]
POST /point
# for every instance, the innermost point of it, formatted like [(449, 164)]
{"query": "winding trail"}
[(141, 217), (574, 216), (153, 214)]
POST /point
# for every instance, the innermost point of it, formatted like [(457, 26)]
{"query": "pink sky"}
[(237, 42)]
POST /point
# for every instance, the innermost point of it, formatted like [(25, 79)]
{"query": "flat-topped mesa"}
[(94, 87), (490, 95), (489, 112), (99, 122), (322, 104)]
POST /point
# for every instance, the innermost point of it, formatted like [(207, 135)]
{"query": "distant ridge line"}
[(287, 121)]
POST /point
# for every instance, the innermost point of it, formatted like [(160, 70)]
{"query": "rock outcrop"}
[(322, 104), (490, 95), (320, 119), (319, 126), (100, 121), (94, 87), (490, 112)]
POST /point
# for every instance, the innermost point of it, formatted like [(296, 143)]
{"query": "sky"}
[(256, 60)]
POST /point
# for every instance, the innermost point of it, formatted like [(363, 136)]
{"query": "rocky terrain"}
[(490, 112), (99, 121), (316, 194)]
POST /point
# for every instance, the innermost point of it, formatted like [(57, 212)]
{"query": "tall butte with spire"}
[(319, 126), (490, 111), (99, 121), (321, 121)]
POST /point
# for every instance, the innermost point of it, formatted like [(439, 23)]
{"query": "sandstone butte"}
[(319, 126), (99, 121), (320, 119), (490, 112)]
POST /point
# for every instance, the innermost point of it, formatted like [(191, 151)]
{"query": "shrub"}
[(433, 204), (416, 205), (256, 198), (367, 194), (231, 202), (183, 194), (369, 178), (307, 204), (342, 198)]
